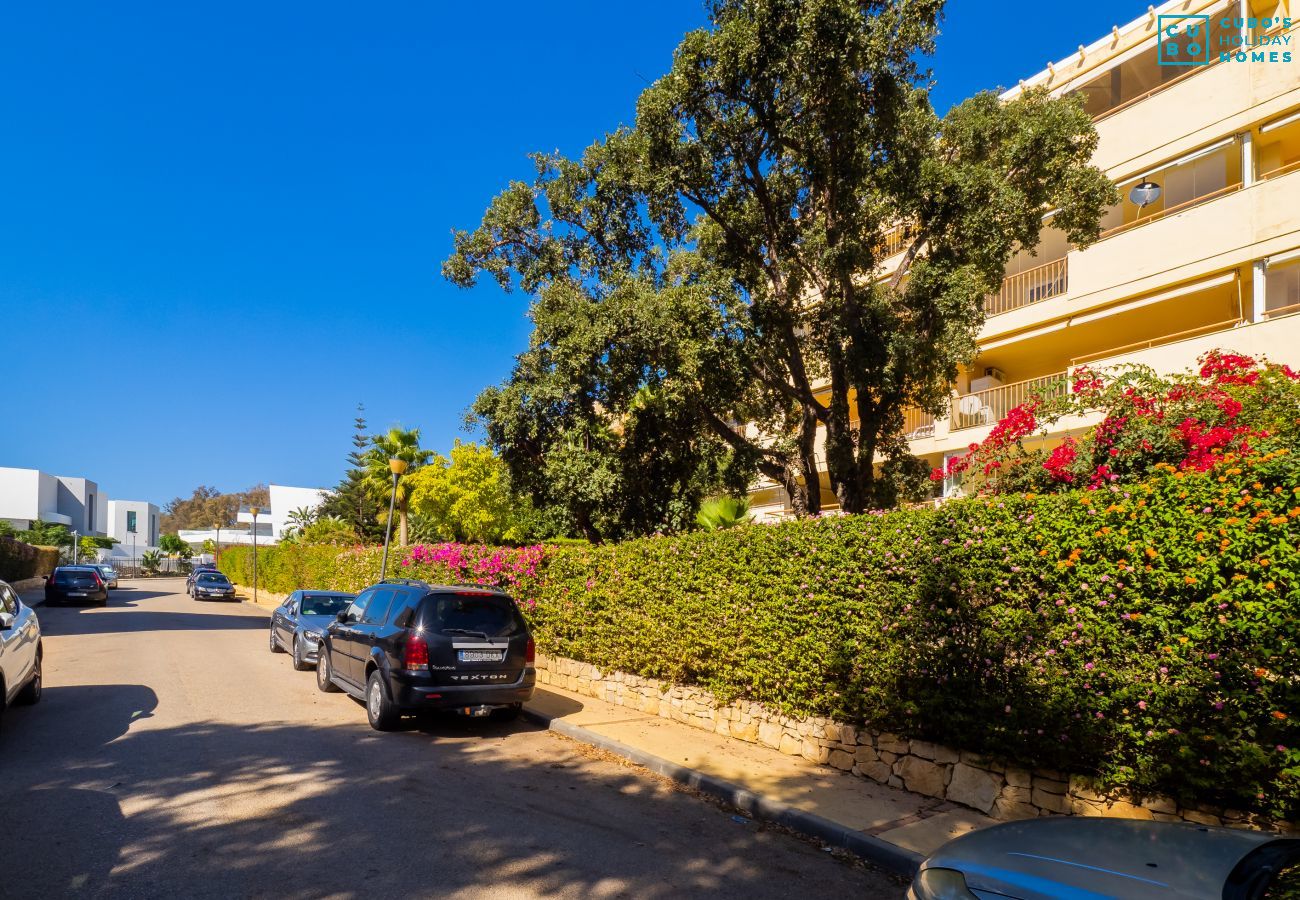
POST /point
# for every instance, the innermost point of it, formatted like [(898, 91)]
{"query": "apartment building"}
[(27, 495), (1209, 260)]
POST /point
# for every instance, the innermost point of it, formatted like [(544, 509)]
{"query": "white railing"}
[(988, 406)]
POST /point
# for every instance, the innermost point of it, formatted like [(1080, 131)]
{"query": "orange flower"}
[(1189, 579), (1277, 520), (1151, 552), (1270, 585), (1279, 715)]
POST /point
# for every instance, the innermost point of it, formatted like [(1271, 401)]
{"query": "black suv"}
[(408, 646)]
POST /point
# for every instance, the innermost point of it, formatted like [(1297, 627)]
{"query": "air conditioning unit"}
[(996, 374)]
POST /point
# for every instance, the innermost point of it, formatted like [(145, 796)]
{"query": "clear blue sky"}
[(220, 226)]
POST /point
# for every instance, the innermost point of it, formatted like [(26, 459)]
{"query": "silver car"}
[(298, 623), (20, 650), (1088, 858), (108, 573)]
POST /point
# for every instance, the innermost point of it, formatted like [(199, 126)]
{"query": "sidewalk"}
[(887, 826)]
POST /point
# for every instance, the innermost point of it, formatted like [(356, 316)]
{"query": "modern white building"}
[(273, 520), (134, 523), (30, 494)]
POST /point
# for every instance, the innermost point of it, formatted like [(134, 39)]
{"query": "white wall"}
[(285, 499), (146, 523), (27, 494)]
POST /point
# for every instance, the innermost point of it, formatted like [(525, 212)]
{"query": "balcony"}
[(989, 406), (897, 239), (917, 424), (1040, 283)]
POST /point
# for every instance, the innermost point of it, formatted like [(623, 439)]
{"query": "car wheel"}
[(299, 663), (275, 644), (32, 692), (380, 710), (508, 713), (323, 672)]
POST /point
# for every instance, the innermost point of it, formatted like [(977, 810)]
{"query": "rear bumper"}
[(411, 694)]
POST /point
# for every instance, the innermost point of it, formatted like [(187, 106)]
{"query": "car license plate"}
[(482, 655), (76, 593)]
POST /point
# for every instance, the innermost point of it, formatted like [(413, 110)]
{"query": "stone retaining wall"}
[(933, 770)]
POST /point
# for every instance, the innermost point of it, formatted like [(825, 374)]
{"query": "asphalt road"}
[(173, 755)]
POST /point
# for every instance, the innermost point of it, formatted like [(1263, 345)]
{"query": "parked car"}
[(20, 651), (407, 646), (195, 573), (108, 573), (212, 586), (81, 583), (1046, 858), (299, 622)]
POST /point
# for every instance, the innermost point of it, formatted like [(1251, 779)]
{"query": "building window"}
[(130, 521), (1282, 289), (1278, 146), (1195, 178), (90, 512)]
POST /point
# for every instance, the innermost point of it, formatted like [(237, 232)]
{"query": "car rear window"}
[(488, 614), (323, 604)]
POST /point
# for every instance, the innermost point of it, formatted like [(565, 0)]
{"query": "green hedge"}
[(19, 561), (1146, 633)]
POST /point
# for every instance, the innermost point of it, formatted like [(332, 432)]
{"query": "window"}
[(1282, 291), (488, 615), (213, 578), (1202, 174), (130, 521), (323, 604), (90, 512), (8, 600), (358, 607), (1278, 146), (377, 611), (287, 605)]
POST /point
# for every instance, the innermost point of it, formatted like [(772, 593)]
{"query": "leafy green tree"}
[(402, 444), (466, 497), (722, 512), (87, 549), (727, 252), (327, 530), (45, 534), (210, 547), (174, 545)]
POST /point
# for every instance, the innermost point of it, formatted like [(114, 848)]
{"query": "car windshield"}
[(488, 614), (213, 578), (323, 604)]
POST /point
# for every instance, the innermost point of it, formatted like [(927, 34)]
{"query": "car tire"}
[(31, 692), (275, 644), (323, 682), (508, 713), (380, 709), (299, 664)]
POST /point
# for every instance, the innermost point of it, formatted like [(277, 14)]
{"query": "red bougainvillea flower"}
[(1058, 464)]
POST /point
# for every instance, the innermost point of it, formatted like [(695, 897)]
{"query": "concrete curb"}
[(881, 853)]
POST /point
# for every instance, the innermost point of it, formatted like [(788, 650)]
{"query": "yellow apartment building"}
[(1212, 262)]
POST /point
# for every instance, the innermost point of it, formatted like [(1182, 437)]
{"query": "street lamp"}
[(216, 557), (254, 510), (398, 467)]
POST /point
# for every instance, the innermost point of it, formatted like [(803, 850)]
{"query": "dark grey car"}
[(298, 623), (1090, 858), (213, 586)]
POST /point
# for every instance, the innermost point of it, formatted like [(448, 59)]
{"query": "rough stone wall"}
[(933, 770)]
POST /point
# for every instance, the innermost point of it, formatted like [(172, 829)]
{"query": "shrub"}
[(19, 561), (1143, 632)]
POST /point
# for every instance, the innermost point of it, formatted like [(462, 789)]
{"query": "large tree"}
[(352, 500), (753, 204), (209, 506)]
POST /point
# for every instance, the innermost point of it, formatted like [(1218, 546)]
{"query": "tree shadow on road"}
[(106, 804)]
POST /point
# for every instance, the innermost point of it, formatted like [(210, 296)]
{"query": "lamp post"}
[(216, 557), (398, 467), (254, 510)]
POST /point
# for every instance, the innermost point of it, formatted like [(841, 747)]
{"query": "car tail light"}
[(530, 652), (416, 654), (98, 580)]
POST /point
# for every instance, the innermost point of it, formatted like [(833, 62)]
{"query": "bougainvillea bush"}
[(1233, 403)]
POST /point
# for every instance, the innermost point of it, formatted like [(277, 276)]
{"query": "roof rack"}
[(409, 582)]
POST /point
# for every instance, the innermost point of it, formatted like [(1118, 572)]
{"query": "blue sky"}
[(220, 226)]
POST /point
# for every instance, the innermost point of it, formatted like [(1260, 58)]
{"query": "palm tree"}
[(397, 444), (722, 512)]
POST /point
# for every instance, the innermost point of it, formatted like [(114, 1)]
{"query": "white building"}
[(30, 494), (134, 523), (273, 520)]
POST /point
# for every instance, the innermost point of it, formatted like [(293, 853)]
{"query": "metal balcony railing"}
[(917, 424), (896, 240), (987, 407), (1032, 285)]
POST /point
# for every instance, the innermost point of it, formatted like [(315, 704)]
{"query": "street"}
[(173, 755)]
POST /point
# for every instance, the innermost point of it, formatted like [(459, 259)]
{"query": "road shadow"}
[(454, 808), (127, 617)]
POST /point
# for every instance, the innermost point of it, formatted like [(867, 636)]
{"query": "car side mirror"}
[(45, 578), (6, 621), (342, 616)]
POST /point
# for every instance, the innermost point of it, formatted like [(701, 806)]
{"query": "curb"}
[(881, 853)]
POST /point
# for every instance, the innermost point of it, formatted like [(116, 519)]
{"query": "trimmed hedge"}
[(19, 561), (1143, 633)]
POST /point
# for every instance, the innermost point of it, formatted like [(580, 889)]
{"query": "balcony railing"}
[(987, 407), (1030, 286), (917, 424), (897, 239)]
